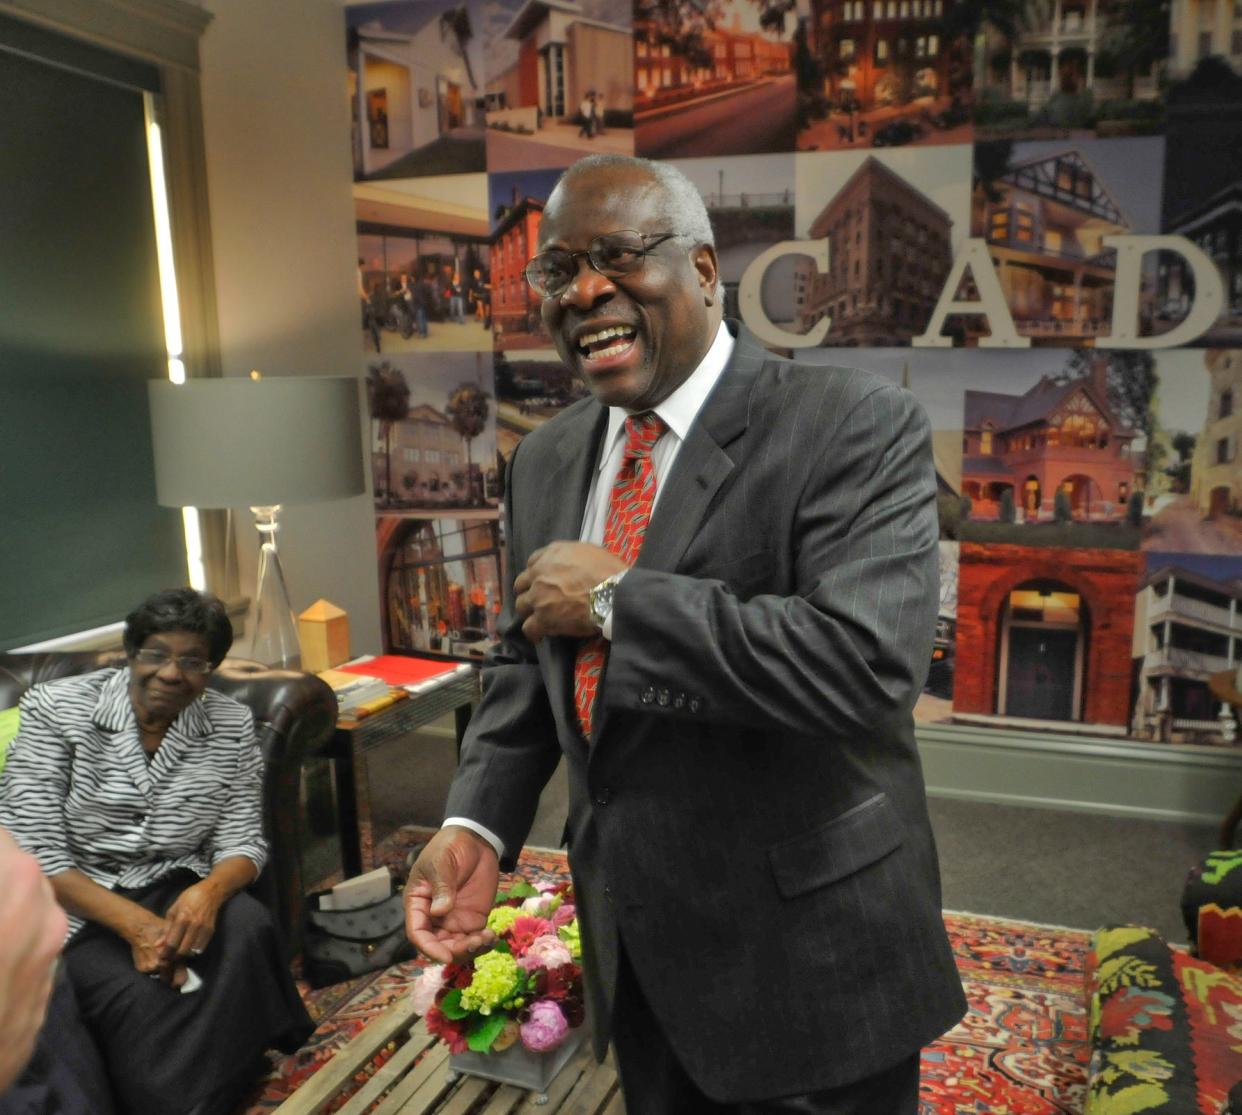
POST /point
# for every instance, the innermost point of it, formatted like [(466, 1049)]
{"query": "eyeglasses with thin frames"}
[(189, 664), (613, 254)]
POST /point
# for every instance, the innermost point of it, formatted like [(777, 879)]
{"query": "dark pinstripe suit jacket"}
[(750, 814)]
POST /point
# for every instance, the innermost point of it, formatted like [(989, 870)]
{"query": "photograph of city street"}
[(415, 88), (714, 79), (559, 81), (424, 279), (532, 385)]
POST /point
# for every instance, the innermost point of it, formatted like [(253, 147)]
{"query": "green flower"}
[(569, 934), (495, 979), (501, 919)]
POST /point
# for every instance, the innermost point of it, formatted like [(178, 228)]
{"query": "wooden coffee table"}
[(416, 1079)]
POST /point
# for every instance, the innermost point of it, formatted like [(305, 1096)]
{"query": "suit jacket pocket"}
[(858, 837)]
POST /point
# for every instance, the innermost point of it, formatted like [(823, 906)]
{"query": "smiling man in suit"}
[(722, 616)]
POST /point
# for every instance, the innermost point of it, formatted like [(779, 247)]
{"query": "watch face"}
[(601, 602)]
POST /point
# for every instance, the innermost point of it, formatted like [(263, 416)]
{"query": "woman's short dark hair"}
[(181, 609)]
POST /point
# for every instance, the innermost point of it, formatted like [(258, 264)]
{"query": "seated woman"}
[(138, 790)]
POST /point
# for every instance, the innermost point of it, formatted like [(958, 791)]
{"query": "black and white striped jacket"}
[(78, 791)]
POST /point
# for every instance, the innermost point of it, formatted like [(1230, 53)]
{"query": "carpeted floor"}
[(1021, 1047)]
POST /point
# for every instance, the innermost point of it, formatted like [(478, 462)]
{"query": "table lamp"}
[(258, 442)]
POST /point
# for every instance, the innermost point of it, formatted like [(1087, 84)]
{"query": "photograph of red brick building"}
[(516, 199), (1061, 435), (889, 253), (1045, 635)]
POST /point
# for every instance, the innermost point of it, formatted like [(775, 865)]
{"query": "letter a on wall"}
[(991, 304)]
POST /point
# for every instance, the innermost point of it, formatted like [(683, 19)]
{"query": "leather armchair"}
[(294, 715)]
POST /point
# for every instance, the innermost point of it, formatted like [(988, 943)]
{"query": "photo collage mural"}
[(1027, 212)]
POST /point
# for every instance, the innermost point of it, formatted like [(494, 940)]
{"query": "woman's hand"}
[(145, 934), (191, 921)]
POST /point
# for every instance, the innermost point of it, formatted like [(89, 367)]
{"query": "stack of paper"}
[(353, 690)]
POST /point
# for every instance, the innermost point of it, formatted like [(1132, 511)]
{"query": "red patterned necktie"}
[(629, 509)]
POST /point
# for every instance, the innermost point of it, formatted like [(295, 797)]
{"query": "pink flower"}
[(546, 952), (427, 987), (565, 913), (525, 930), (546, 1027)]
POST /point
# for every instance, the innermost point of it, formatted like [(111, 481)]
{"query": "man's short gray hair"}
[(681, 204)]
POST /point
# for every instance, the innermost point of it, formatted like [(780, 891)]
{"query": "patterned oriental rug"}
[(1020, 1050)]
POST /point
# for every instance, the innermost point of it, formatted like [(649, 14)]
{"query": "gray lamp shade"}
[(249, 443)]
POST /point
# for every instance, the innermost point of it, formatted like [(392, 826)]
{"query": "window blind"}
[(81, 537)]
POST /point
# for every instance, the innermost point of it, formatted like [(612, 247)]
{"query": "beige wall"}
[(276, 116), (603, 60)]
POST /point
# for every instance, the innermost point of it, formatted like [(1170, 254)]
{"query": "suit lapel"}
[(569, 477), (702, 463)]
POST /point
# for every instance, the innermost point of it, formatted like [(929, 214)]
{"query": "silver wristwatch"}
[(602, 596)]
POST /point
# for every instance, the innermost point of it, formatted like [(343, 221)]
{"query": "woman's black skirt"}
[(166, 1051)]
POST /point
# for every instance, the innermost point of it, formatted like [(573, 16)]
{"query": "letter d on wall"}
[(750, 303), (1209, 294)]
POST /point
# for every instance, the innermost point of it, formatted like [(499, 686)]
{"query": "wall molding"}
[(1166, 782), (165, 32)]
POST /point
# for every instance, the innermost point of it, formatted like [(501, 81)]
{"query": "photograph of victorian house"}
[(1044, 210), (1057, 451), (890, 242), (415, 86), (884, 72), (714, 79), (1201, 29), (1187, 627), (560, 81), (1071, 64)]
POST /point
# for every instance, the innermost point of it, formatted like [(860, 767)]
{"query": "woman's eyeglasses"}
[(612, 255), (189, 664)]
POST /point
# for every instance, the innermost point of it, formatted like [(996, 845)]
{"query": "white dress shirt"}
[(678, 411)]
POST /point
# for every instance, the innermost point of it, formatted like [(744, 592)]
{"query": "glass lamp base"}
[(275, 641)]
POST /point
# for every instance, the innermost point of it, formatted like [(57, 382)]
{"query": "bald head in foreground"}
[(724, 597)]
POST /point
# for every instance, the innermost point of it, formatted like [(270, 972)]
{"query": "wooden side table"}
[(455, 692)]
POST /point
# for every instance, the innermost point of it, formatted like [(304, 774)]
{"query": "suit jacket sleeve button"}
[(663, 698), (695, 704), (679, 701), (647, 695)]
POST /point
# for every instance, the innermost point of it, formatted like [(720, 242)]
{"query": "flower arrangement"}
[(527, 988)]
